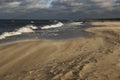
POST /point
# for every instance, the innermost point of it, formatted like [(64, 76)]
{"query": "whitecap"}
[(59, 24), (76, 23), (26, 29)]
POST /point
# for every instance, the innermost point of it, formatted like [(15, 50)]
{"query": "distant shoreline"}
[(64, 20)]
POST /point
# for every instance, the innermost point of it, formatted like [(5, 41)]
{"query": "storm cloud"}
[(59, 9)]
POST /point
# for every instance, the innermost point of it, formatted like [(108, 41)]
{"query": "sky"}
[(59, 9)]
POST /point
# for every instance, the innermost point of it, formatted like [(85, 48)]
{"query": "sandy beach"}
[(94, 58)]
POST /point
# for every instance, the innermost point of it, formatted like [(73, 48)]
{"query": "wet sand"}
[(93, 58)]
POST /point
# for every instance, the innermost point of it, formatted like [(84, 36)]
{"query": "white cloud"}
[(107, 4), (11, 4)]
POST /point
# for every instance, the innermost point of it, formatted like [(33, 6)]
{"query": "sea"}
[(15, 30)]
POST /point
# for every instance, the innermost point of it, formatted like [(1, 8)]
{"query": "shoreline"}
[(34, 40), (87, 25), (44, 39)]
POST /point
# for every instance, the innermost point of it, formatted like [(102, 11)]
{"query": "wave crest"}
[(76, 23), (59, 24), (26, 29)]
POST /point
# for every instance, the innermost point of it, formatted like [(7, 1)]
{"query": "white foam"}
[(59, 24), (26, 29), (76, 23)]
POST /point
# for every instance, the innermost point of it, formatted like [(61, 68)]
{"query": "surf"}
[(26, 29), (59, 24)]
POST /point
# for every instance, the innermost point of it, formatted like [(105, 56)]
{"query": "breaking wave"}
[(26, 29), (76, 23), (59, 24)]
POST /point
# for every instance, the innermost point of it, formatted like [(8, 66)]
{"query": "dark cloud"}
[(58, 9)]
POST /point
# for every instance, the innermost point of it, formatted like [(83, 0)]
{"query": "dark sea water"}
[(12, 30)]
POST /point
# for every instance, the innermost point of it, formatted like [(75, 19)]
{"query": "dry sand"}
[(94, 58)]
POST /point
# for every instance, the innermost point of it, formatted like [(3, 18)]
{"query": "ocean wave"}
[(59, 24), (76, 23), (26, 29)]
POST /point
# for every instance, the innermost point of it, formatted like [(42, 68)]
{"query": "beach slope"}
[(93, 58)]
